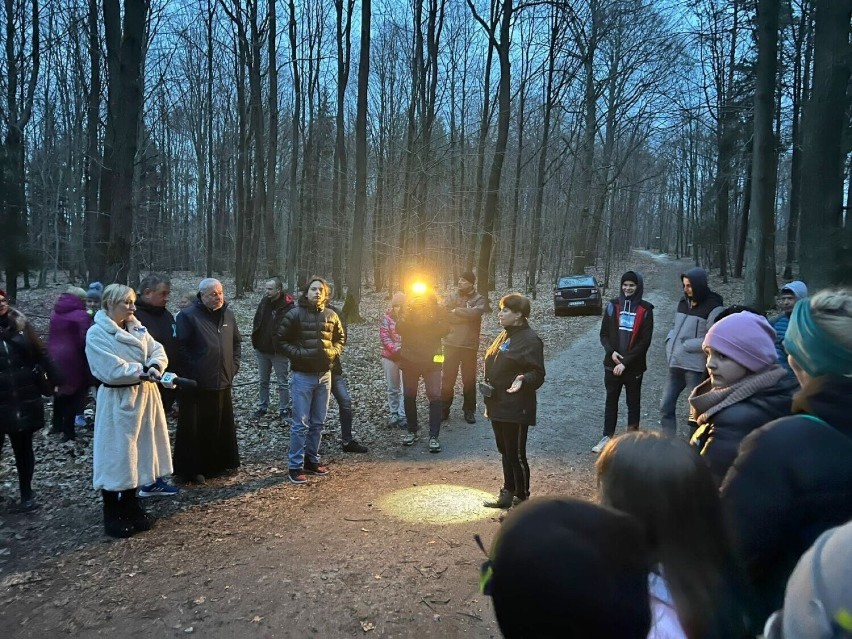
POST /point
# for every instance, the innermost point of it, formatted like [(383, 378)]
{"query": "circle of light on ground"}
[(437, 504)]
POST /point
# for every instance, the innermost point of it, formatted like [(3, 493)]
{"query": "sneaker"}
[(408, 439), (394, 422), (79, 421), (284, 414), (469, 417), (25, 505), (504, 499), (260, 412), (434, 445), (297, 476), (315, 469), (354, 447), (159, 488), (600, 445)]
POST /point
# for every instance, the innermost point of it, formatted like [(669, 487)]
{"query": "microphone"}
[(171, 380)]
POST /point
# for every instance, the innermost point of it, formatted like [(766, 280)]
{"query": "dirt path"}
[(381, 547)]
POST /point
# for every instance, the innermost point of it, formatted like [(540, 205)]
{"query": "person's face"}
[(687, 287), (508, 317), (120, 311), (4, 305), (316, 292), (397, 302), (213, 298), (786, 302), (628, 288), (723, 370), (92, 304), (185, 302), (464, 285), (272, 292), (159, 296)]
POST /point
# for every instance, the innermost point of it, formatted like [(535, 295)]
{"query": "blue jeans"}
[(340, 390), (678, 379), (310, 405), (265, 364)]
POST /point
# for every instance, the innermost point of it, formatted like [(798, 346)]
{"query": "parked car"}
[(577, 295)]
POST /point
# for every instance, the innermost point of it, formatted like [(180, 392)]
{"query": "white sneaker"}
[(600, 445)]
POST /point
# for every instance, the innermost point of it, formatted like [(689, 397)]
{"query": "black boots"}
[(504, 500), (123, 514)]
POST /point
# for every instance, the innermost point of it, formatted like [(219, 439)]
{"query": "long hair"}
[(668, 487)]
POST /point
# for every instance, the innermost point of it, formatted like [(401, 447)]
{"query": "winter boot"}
[(632, 427), (135, 514), (114, 524)]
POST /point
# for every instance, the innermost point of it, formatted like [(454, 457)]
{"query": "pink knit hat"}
[(747, 338)]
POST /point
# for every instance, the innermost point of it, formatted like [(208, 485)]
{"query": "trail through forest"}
[(383, 546)]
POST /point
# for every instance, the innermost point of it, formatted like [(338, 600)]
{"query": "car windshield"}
[(576, 280)]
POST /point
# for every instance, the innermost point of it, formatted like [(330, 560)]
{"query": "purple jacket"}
[(67, 342)]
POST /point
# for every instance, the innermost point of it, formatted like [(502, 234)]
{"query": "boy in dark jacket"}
[(626, 330)]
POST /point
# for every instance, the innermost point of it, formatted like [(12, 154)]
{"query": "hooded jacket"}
[(311, 336), (267, 321), (66, 342), (209, 344), (421, 329), (790, 482), (683, 342), (629, 320), (162, 326), (465, 318), (800, 291)]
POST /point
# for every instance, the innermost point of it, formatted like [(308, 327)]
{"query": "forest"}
[(369, 140)]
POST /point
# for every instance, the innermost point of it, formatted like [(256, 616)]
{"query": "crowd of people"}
[(710, 531)]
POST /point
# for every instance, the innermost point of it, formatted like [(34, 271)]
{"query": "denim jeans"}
[(340, 390), (678, 379), (393, 378), (265, 364), (310, 405)]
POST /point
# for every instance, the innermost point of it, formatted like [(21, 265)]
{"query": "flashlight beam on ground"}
[(437, 504)]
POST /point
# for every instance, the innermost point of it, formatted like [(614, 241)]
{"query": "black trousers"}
[(455, 357), (22, 446), (632, 383), (512, 444), (65, 409)]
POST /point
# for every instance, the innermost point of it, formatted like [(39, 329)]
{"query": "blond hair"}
[(114, 293), (76, 291), (831, 309)]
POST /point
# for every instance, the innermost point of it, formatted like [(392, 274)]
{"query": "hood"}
[(698, 279), (797, 288), (150, 308), (67, 303), (636, 298), (829, 397)]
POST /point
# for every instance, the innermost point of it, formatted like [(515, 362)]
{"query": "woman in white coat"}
[(131, 445)]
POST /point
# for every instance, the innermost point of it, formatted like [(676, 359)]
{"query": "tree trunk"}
[(760, 241)]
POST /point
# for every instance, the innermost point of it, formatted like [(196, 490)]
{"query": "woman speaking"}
[(514, 370)]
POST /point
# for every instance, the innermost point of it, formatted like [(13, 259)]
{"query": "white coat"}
[(131, 445)]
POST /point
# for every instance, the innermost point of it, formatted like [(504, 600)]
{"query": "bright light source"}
[(437, 504), (418, 288)]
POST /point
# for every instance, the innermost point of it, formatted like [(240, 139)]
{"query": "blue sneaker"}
[(79, 421), (159, 488)]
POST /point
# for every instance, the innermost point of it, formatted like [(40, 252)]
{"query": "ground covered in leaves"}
[(381, 546)]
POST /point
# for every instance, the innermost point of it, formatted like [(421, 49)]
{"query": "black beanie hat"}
[(469, 276), (630, 276), (570, 568)]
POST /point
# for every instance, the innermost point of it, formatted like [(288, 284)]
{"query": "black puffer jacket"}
[(421, 329), (791, 481), (210, 345), (516, 351), (719, 439), (311, 336), (21, 407), (267, 321)]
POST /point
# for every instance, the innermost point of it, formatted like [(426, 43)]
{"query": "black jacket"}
[(516, 351), (421, 330), (267, 321), (311, 337), (21, 407), (719, 439), (162, 327), (791, 481), (210, 345), (640, 340)]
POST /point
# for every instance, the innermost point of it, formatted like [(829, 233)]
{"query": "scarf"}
[(706, 401)]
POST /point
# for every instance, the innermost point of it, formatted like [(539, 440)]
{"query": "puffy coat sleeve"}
[(105, 364), (156, 354), (287, 337)]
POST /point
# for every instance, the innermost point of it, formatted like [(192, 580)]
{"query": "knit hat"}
[(818, 602), (570, 568), (746, 338), (469, 276), (95, 291)]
